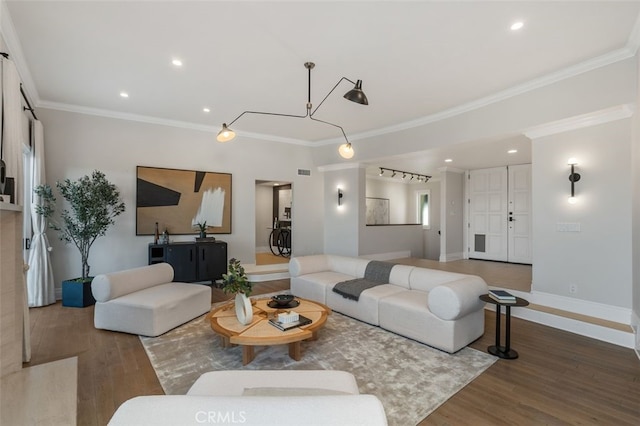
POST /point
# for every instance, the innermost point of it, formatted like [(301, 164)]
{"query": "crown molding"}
[(450, 169), (14, 49), (554, 77), (341, 166), (581, 121), (161, 121)]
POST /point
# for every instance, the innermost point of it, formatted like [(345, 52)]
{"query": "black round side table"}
[(504, 352)]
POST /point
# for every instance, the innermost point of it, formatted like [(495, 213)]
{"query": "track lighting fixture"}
[(354, 95), (416, 176)]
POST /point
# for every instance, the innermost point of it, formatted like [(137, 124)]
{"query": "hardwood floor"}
[(512, 276), (560, 378)]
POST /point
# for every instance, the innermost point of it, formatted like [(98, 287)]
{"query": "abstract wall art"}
[(377, 211), (179, 199)]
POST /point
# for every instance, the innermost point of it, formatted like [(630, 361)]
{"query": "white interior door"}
[(519, 232), (488, 238)]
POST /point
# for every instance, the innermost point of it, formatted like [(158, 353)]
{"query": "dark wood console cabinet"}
[(192, 261)]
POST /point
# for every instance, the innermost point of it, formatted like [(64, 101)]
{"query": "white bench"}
[(144, 300)]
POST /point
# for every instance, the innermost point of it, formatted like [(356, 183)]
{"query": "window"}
[(422, 201)]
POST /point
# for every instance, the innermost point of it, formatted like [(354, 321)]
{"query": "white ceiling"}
[(415, 58)]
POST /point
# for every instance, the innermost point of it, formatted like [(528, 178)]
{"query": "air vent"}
[(304, 172)]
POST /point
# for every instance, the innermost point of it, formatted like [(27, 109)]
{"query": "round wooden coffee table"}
[(260, 333)]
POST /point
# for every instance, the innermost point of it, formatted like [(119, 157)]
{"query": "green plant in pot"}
[(94, 203), (235, 281), (202, 226)]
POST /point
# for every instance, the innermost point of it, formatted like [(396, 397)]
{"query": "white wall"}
[(598, 258), (594, 90), (342, 223), (432, 235), (264, 216), (635, 216), (399, 195), (76, 144), (452, 215)]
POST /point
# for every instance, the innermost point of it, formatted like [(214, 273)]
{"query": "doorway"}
[(274, 215), (500, 214)]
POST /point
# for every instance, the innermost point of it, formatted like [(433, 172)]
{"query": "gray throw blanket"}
[(375, 274)]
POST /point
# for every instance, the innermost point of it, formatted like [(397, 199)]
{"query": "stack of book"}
[(502, 296), (284, 326)]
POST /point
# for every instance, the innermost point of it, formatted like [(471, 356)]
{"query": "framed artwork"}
[(377, 211), (179, 199)]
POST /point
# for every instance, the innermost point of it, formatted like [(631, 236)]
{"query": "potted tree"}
[(235, 282), (94, 204)]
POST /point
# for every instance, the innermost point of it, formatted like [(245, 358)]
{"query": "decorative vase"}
[(244, 311), (203, 234)]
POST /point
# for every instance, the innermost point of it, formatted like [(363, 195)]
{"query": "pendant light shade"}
[(357, 95), (226, 134), (346, 151)]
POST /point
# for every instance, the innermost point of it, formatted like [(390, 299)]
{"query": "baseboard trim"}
[(635, 325), (607, 323), (451, 257)]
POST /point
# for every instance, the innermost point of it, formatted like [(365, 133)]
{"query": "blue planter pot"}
[(77, 294)]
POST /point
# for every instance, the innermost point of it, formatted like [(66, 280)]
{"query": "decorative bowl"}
[(282, 299)]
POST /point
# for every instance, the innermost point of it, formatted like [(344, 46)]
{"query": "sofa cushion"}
[(366, 308), (308, 265), (400, 275), (109, 286), (273, 391), (353, 266), (458, 298), (424, 279), (314, 286), (234, 382), (330, 410)]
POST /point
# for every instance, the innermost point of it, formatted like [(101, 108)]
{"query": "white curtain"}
[(12, 137), (40, 284)]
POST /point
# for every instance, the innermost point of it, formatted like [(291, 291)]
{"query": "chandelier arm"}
[(325, 98), (268, 113), (334, 125)]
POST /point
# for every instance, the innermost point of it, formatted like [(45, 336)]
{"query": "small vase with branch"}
[(235, 281)]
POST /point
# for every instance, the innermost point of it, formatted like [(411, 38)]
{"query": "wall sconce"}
[(340, 195), (573, 178)]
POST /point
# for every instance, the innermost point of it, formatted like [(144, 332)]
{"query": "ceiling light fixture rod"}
[(355, 95), (404, 174)]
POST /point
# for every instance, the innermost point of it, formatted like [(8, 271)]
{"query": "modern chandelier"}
[(354, 95)]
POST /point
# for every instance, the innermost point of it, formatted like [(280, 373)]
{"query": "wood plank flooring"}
[(560, 378)]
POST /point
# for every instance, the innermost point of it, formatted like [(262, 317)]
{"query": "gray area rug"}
[(411, 379)]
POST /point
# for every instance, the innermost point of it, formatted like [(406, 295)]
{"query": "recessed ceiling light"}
[(448, 160), (517, 25), (177, 62), (205, 109), (512, 151), (124, 94)]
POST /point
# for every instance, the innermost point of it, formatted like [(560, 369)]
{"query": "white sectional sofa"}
[(145, 301), (265, 398), (438, 308)]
